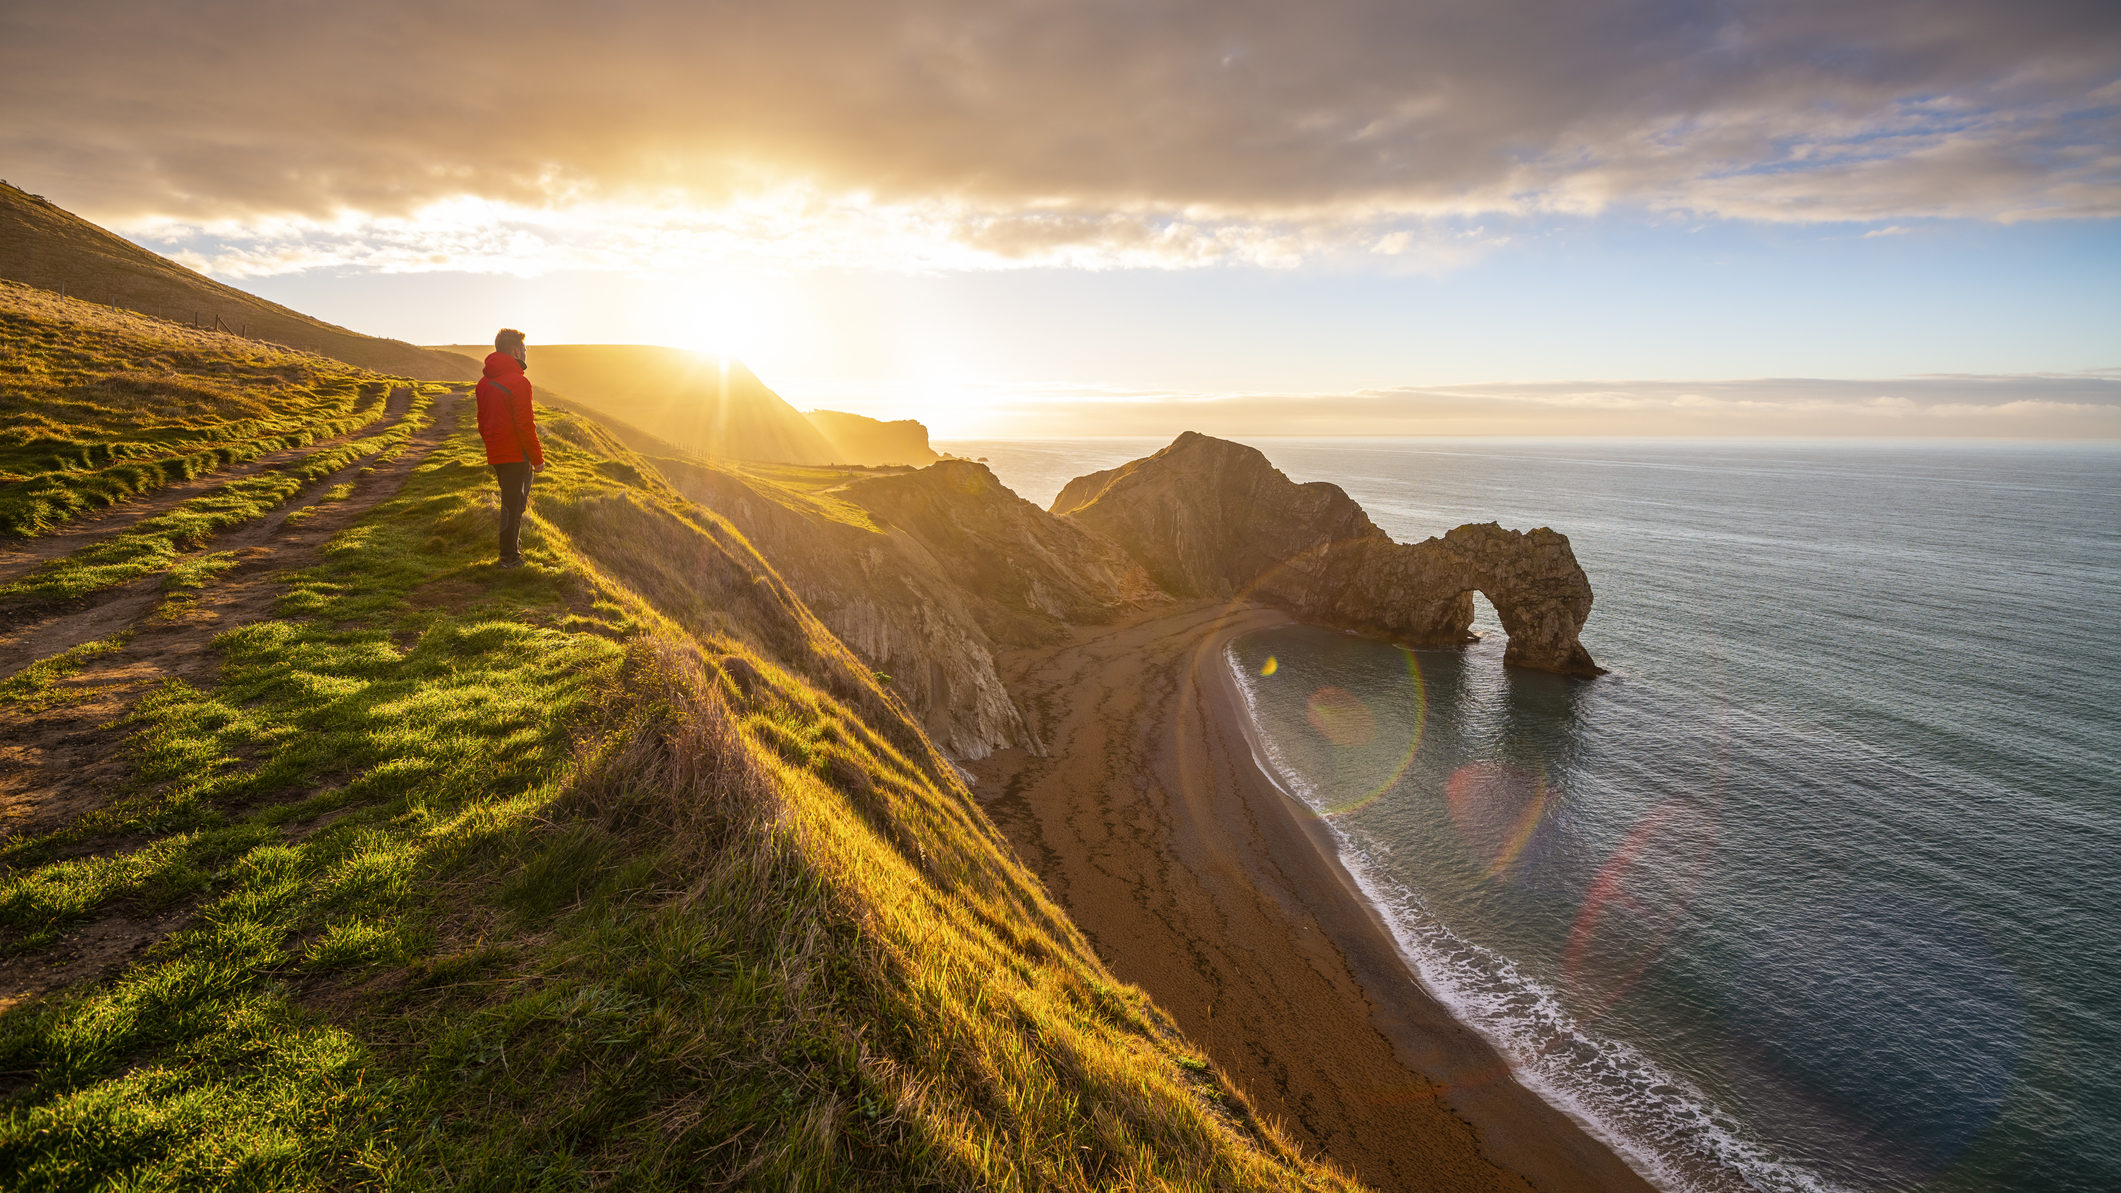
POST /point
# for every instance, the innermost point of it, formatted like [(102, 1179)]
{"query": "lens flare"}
[(1341, 717), (1638, 902), (1366, 756), (1498, 810), (1271, 666)]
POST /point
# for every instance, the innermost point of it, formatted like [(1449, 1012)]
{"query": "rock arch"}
[(1207, 517), (1531, 577)]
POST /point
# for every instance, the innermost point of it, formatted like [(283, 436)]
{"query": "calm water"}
[(1821, 888)]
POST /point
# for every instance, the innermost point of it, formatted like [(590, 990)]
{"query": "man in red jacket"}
[(511, 434)]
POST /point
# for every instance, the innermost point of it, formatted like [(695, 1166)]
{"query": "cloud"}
[(789, 229), (1089, 132), (2071, 406)]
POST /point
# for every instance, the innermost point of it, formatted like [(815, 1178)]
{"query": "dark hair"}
[(505, 337)]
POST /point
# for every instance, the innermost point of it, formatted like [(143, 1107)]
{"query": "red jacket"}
[(505, 420)]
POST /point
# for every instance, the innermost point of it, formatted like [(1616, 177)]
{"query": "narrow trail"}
[(59, 762), (20, 557), (39, 632)]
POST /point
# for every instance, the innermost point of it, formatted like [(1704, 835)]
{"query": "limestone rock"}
[(924, 574), (1027, 574), (1210, 518)]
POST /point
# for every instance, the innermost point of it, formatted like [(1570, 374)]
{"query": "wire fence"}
[(197, 321)]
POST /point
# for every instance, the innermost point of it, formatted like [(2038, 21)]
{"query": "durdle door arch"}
[(1208, 517), (1531, 577)]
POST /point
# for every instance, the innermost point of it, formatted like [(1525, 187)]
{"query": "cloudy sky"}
[(1897, 217)]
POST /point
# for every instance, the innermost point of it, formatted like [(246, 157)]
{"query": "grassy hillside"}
[(705, 405), (45, 246), (615, 871)]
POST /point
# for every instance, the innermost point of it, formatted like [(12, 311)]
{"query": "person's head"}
[(510, 340)]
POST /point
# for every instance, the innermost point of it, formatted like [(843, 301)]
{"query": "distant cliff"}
[(706, 405), (1028, 573), (1207, 517), (861, 440)]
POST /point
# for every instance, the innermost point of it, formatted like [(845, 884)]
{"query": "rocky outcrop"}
[(1210, 518), (1027, 573), (925, 574)]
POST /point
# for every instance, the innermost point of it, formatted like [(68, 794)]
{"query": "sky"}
[(1079, 217)]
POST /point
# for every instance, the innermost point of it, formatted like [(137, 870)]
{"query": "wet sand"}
[(1202, 882)]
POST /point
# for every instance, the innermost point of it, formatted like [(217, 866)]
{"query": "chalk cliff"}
[(1207, 517)]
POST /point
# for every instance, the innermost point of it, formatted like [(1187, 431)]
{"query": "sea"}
[(1820, 887)]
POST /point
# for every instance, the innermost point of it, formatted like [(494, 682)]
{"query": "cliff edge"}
[(1207, 517)]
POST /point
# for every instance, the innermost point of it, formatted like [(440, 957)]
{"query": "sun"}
[(717, 321)]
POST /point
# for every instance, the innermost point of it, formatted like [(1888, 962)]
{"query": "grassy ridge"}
[(616, 871), (97, 405), (45, 246)]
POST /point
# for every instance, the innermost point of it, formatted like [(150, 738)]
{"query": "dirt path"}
[(20, 557), (59, 762), (1199, 880), (27, 636), (66, 757)]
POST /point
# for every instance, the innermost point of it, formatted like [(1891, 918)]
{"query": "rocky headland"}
[(928, 574), (1211, 518)]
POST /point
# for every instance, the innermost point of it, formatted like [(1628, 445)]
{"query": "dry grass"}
[(46, 247)]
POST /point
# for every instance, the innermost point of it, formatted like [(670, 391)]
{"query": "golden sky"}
[(820, 186)]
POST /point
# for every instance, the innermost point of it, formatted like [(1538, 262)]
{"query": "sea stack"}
[(1207, 517)]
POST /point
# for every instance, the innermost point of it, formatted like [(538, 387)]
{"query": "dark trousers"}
[(515, 498)]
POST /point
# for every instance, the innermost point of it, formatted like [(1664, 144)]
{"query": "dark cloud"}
[(1075, 118)]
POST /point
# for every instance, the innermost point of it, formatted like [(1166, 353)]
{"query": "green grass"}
[(34, 688), (617, 871), (803, 489), (98, 405), (156, 544), (197, 571)]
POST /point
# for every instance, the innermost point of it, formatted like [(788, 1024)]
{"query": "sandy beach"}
[(1201, 881)]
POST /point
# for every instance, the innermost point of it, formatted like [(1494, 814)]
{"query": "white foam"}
[(1664, 1127)]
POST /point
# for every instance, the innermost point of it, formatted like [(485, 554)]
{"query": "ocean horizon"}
[(1816, 889)]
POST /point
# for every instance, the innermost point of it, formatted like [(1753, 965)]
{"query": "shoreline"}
[(1200, 879), (1223, 684)]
